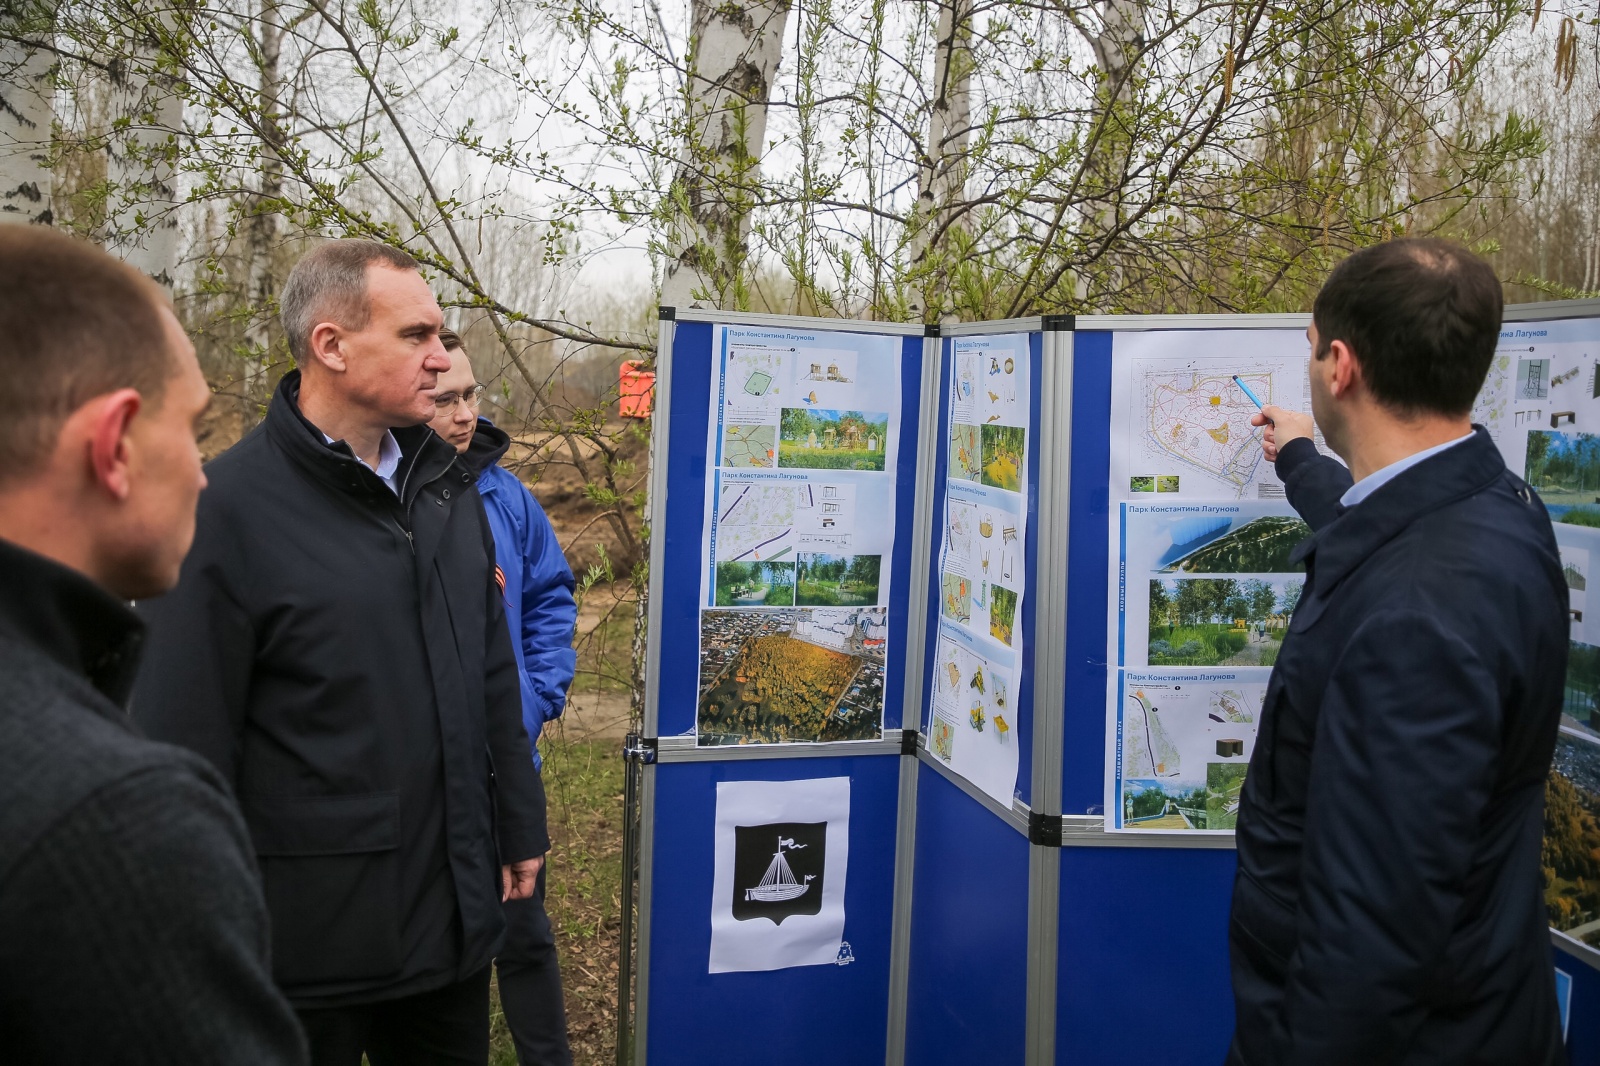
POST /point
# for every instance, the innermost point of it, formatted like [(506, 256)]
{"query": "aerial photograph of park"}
[(1262, 546), (836, 580), (832, 440), (1571, 857), (1002, 613), (770, 677), (755, 584), (1003, 451), (1218, 621), (1564, 468)]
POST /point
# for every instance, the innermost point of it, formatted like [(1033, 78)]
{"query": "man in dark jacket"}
[(132, 927), (337, 648), (1388, 906), (537, 585)]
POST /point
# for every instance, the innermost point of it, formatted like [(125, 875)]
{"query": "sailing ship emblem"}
[(779, 869), (778, 882)]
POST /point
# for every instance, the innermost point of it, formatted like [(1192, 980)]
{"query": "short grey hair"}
[(329, 284)]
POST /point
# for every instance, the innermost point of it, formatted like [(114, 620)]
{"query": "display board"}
[(784, 482), (969, 949), (998, 890)]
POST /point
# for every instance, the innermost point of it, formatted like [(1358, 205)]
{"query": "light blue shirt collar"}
[(1379, 478), (388, 459)]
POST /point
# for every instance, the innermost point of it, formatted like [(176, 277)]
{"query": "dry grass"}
[(584, 783)]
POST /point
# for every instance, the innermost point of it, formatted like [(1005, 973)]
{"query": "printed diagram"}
[(756, 522), (1235, 705), (1147, 750), (749, 446), (757, 373), (1202, 419)]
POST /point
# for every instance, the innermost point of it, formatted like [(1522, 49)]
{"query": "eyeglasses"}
[(446, 401)]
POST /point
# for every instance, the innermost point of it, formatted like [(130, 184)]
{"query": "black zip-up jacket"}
[(1389, 902), (132, 928), (342, 656)]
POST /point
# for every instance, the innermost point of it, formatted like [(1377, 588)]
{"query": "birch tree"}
[(26, 116)]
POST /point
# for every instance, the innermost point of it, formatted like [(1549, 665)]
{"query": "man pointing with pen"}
[(1388, 906)]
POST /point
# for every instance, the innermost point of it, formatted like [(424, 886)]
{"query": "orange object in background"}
[(637, 386)]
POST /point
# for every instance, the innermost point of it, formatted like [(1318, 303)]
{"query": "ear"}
[(1346, 371), (110, 450), (327, 346)]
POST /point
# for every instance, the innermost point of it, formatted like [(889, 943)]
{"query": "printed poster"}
[(799, 536), (982, 569), (1202, 589), (782, 850)]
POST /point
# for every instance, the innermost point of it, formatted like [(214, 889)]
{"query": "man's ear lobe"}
[(110, 449)]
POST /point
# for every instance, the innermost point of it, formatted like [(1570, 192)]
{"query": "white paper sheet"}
[(799, 535), (1201, 584), (982, 568), (782, 851)]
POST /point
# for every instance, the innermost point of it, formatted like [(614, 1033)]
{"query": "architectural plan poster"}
[(981, 563), (1203, 588), (1541, 404), (1180, 426), (800, 524), (782, 849)]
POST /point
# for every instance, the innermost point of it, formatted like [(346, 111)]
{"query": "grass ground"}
[(583, 896)]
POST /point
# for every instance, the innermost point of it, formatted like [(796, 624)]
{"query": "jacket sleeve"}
[(549, 613), (1312, 481), (144, 933), (194, 676), (519, 789), (1402, 770)]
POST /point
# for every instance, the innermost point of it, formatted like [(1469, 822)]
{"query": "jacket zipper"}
[(401, 499)]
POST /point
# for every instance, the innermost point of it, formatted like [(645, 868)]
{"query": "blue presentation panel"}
[(1143, 964), (835, 1012), (969, 932), (801, 1015), (969, 928)]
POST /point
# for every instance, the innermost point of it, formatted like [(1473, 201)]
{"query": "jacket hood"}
[(489, 443), (423, 455)]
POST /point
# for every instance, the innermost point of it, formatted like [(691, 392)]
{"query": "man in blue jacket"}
[(1388, 906), (537, 584)]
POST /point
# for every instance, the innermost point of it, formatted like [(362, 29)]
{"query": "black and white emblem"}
[(778, 870)]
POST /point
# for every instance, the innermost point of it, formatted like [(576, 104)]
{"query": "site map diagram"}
[(1201, 419), (756, 521)]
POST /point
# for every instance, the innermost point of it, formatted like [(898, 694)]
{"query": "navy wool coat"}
[(1389, 901), (341, 655)]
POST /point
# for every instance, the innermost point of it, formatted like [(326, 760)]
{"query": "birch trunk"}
[(734, 52), (942, 174), (141, 159), (265, 221), (26, 114), (1116, 50)]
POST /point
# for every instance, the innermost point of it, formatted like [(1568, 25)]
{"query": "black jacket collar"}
[(70, 619), (1339, 547), (489, 443), (423, 455)]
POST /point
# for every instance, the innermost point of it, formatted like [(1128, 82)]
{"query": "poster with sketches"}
[(982, 578), (1541, 404), (1202, 585), (799, 535), (782, 850), (1180, 426)]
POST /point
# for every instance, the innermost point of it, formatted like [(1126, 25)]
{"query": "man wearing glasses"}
[(537, 585)]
